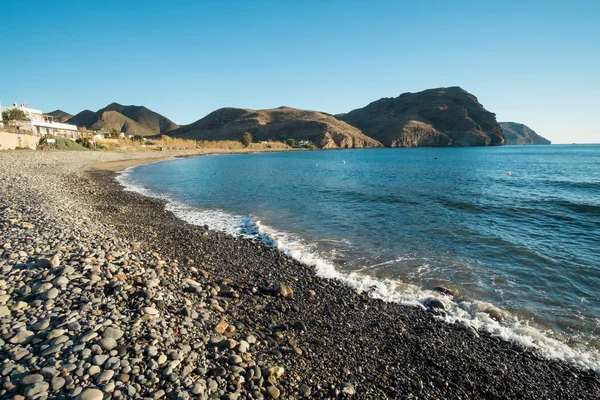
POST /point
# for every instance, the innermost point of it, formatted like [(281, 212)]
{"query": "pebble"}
[(273, 392), (90, 394), (88, 336), (50, 294), (285, 291), (105, 376), (114, 333), (94, 370), (40, 325), (33, 378), (21, 337), (37, 390), (55, 333), (150, 311), (243, 346), (348, 388), (100, 359), (57, 383), (108, 343)]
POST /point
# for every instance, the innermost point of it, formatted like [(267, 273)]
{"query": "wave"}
[(479, 315)]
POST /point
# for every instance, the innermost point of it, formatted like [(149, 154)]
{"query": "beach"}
[(104, 294)]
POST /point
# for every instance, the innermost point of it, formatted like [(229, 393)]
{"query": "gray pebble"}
[(100, 359), (30, 379), (57, 383), (108, 343), (90, 394)]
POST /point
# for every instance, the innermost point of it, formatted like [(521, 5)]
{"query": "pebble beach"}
[(105, 295)]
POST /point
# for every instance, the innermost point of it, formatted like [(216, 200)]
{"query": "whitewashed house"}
[(40, 124)]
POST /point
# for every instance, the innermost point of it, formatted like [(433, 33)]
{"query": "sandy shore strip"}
[(104, 294), (133, 159)]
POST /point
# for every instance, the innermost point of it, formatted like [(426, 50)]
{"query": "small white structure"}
[(40, 124)]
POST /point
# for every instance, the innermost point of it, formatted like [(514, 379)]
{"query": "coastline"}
[(122, 164), (221, 293)]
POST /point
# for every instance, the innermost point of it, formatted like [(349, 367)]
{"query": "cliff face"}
[(132, 120), (432, 118), (516, 133), (282, 123)]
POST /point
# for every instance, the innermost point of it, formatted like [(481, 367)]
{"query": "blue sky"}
[(532, 62)]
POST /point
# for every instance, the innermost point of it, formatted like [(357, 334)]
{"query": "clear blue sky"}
[(535, 62)]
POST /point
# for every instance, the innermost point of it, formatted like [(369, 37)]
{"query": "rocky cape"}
[(517, 133), (131, 120), (431, 118), (323, 130)]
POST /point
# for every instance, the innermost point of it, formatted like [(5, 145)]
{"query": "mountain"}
[(85, 118), (281, 123), (131, 120), (431, 118), (516, 133), (59, 115)]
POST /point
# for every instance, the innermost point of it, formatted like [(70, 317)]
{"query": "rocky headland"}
[(431, 118), (104, 294), (517, 133), (322, 130)]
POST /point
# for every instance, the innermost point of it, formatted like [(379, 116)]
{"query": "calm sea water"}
[(522, 251)]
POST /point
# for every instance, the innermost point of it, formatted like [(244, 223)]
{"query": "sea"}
[(513, 233)]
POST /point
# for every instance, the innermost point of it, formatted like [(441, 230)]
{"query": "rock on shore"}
[(104, 295)]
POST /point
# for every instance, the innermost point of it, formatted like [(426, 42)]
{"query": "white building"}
[(40, 124)]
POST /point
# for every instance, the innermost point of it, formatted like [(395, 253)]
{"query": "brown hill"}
[(431, 118), (282, 123), (59, 115), (131, 120), (516, 133)]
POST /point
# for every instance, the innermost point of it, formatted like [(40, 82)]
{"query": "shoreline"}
[(121, 165), (230, 303)]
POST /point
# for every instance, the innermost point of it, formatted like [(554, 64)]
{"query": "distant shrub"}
[(246, 139), (291, 142)]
